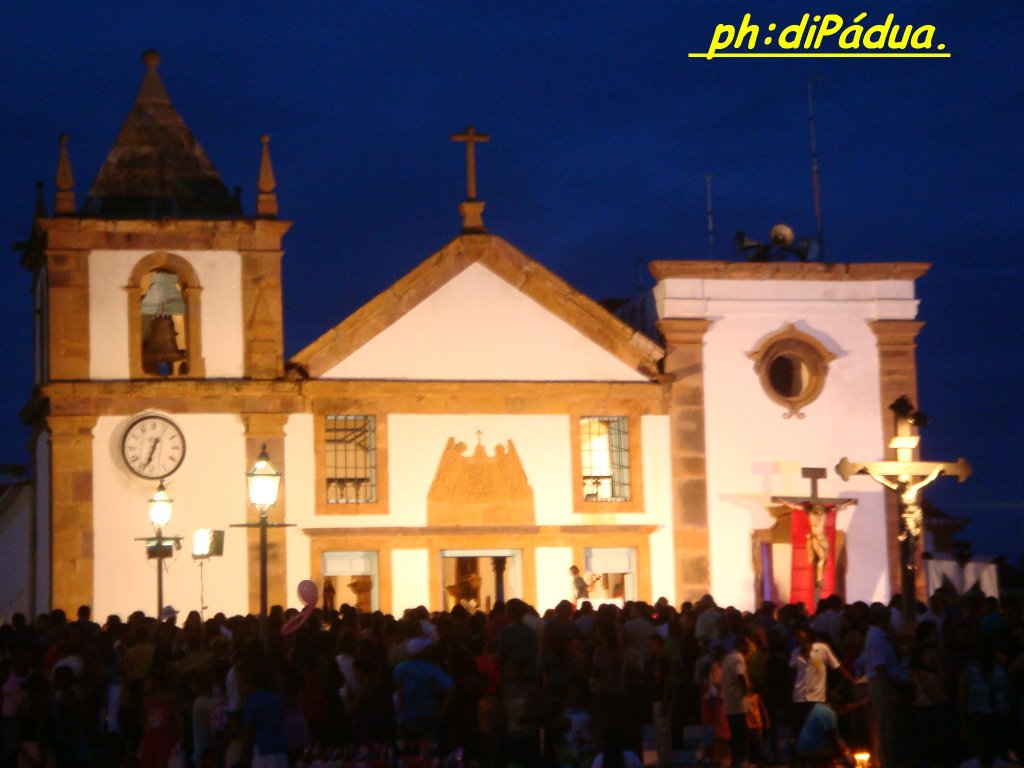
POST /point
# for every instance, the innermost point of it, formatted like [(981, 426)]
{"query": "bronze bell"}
[(160, 351)]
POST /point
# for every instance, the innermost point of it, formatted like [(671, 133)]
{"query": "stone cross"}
[(908, 478), (470, 137), (817, 510)]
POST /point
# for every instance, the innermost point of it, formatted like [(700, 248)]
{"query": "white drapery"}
[(978, 572)]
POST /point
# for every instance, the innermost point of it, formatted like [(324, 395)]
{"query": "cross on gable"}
[(470, 137)]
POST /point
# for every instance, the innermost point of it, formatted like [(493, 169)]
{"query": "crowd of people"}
[(574, 687)]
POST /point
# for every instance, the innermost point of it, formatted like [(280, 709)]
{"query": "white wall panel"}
[(209, 491), (477, 327), (410, 585), (220, 275), (554, 583)]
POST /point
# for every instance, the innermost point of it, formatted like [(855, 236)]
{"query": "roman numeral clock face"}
[(153, 447)]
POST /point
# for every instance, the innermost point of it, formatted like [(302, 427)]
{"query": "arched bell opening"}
[(164, 318), (163, 315)]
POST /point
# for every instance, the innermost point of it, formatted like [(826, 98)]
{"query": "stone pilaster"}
[(266, 429), (262, 319), (684, 364), (68, 314), (71, 528), (897, 365)]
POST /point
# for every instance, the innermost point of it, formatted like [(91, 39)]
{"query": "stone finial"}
[(152, 88), (266, 201), (64, 201), (472, 213)]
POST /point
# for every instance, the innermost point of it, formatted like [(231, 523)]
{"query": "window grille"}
[(350, 453), (604, 443)]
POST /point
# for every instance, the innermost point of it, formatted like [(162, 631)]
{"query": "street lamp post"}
[(264, 481), (160, 506)]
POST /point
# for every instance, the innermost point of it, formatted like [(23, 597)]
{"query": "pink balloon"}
[(308, 593)]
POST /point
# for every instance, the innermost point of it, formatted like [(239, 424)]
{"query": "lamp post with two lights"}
[(160, 547)]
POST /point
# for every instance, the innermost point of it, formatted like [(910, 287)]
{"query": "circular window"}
[(792, 367), (788, 376)]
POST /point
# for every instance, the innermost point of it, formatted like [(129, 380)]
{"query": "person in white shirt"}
[(811, 659)]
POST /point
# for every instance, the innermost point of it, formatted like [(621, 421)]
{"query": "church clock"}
[(153, 447)]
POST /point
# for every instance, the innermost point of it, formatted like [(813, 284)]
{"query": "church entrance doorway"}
[(353, 577), (477, 578), (610, 573)]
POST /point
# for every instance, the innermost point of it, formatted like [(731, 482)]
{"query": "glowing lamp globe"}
[(264, 481), (160, 507)]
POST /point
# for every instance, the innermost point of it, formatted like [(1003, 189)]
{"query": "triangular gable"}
[(549, 330)]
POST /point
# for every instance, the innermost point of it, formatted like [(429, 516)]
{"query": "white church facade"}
[(468, 434)]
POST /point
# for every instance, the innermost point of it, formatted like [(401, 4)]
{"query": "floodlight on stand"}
[(264, 482), (160, 506), (207, 543)]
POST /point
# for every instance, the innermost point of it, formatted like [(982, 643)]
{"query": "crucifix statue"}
[(908, 478), (817, 510), (472, 209)]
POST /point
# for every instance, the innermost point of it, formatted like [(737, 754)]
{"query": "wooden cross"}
[(907, 478), (470, 137), (814, 474)]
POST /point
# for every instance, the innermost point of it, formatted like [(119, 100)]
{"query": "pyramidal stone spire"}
[(156, 168), (64, 200), (266, 201)]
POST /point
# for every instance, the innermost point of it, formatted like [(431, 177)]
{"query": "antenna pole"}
[(711, 217), (815, 171)]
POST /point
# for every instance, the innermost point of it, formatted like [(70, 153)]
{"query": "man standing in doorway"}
[(580, 591)]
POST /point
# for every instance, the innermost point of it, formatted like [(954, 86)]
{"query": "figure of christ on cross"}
[(817, 511), (817, 538), (908, 478), (910, 499)]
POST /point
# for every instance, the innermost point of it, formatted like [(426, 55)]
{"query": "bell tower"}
[(152, 292), (130, 279)]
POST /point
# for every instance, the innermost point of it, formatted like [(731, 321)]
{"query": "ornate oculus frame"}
[(792, 367)]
